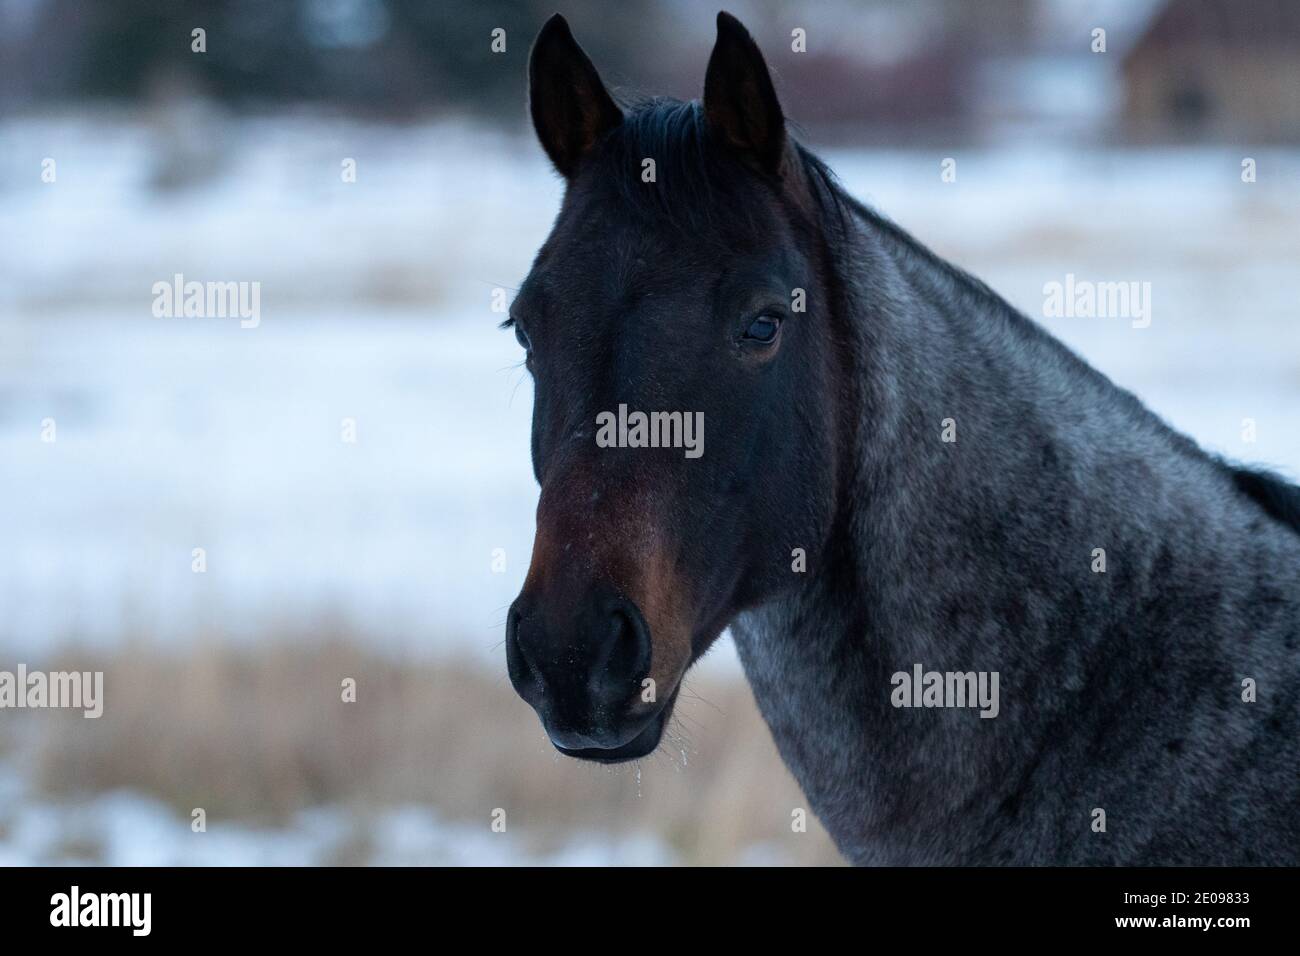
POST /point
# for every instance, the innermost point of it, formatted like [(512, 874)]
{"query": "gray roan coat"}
[(1127, 690)]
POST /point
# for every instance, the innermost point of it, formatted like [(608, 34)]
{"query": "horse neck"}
[(973, 424), (937, 543), (938, 547), (917, 537), (978, 555)]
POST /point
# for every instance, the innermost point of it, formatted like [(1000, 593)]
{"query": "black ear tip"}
[(729, 24), (555, 26), (553, 39)]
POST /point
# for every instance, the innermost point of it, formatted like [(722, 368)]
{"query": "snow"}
[(123, 828)]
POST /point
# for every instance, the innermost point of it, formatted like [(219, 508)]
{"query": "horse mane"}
[(1277, 496), (690, 177), (694, 179)]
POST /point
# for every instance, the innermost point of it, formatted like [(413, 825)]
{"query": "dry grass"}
[(259, 733)]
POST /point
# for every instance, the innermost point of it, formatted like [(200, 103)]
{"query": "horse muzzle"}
[(585, 667)]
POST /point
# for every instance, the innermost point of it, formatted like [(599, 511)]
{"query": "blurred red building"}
[(1218, 69)]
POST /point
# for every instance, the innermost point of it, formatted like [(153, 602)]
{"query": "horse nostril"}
[(628, 645), (589, 671), (522, 673)]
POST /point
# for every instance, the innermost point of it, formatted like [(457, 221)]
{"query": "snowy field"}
[(124, 828), (175, 433)]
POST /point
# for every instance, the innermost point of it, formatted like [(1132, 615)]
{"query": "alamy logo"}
[(946, 689), (651, 430), (1084, 299), (75, 908), (208, 300), (75, 690)]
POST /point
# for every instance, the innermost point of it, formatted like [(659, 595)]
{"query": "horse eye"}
[(522, 338), (763, 329)]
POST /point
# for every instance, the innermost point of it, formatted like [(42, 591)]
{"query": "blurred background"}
[(127, 157)]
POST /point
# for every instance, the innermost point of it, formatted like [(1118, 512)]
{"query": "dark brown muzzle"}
[(594, 642)]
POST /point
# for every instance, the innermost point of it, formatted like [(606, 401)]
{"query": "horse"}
[(904, 479)]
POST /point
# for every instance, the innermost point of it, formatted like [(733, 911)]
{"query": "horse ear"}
[(739, 100), (571, 108)]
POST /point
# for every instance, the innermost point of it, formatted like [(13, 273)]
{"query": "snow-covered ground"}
[(123, 828), (176, 434)]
